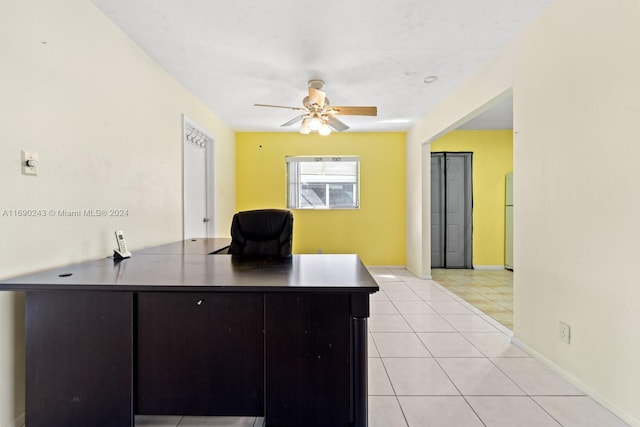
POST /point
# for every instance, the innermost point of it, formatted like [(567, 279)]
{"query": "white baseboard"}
[(18, 422), (388, 266), (488, 267), (425, 277), (576, 383)]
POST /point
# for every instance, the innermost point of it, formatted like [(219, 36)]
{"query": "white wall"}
[(469, 100), (577, 215), (107, 124), (575, 83)]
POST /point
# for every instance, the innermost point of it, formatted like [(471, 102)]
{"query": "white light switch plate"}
[(29, 170)]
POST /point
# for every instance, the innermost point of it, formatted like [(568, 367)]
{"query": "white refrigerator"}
[(508, 222)]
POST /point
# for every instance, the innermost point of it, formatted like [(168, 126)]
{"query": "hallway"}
[(488, 290)]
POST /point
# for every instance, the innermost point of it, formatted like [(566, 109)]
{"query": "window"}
[(323, 182)]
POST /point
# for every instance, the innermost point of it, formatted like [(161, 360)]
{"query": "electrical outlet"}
[(565, 333)]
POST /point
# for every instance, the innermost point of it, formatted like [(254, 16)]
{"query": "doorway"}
[(451, 210), (197, 203)]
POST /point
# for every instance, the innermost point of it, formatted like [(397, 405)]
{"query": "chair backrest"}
[(262, 232)]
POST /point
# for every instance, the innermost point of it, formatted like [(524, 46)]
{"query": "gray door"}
[(451, 206), (437, 210)]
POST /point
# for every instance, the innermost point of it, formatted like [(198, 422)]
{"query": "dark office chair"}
[(262, 233)]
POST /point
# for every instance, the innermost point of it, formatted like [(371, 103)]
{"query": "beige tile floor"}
[(436, 360), (489, 290)]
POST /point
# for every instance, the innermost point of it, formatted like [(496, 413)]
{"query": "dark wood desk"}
[(199, 246), (174, 332)]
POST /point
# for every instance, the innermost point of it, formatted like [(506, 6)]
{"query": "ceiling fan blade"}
[(316, 96), (336, 124), (293, 121), (281, 106), (355, 111)]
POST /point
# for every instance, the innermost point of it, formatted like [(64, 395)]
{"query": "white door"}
[(196, 198)]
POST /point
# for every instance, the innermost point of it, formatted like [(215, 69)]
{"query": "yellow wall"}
[(492, 159), (376, 231)]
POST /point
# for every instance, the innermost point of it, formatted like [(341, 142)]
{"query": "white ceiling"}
[(233, 54), (500, 116)]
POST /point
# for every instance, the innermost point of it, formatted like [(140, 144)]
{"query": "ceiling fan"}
[(318, 115)]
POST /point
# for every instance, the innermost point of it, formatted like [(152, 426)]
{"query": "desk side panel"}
[(308, 360), (79, 359)]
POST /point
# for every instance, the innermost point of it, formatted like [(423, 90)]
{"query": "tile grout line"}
[(402, 315), (483, 357), (491, 360)]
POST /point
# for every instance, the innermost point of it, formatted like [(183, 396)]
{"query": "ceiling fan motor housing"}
[(316, 84), (307, 103)]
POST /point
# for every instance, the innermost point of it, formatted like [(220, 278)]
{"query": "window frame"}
[(293, 188)]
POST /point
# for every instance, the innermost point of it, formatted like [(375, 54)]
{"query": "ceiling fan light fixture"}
[(305, 129), (315, 122), (324, 129)]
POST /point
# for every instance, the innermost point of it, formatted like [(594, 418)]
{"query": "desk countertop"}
[(170, 269)]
